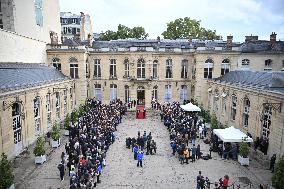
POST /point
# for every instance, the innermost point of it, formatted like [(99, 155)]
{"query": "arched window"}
[(183, 94), (37, 114), (268, 65), (245, 62), (169, 68), (246, 111), (184, 69), (126, 68), (225, 66), (155, 69), (168, 93), (74, 68), (56, 63), (98, 92), (113, 92), (126, 94), (17, 124), (141, 68), (234, 107), (155, 93), (208, 68)]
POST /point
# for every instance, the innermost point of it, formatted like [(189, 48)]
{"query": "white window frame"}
[(169, 68), (246, 112), (141, 69), (37, 114), (48, 111), (97, 68), (112, 68), (113, 92), (155, 69), (267, 121), (183, 93), (126, 68), (57, 105), (168, 93), (184, 69), (98, 92), (155, 93), (126, 93)]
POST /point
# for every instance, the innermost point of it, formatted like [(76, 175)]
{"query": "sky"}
[(228, 17)]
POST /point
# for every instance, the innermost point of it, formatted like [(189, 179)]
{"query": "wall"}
[(17, 48)]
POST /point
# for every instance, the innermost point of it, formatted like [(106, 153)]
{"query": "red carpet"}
[(140, 114)]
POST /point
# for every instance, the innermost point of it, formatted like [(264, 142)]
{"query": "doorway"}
[(140, 96), (17, 128)]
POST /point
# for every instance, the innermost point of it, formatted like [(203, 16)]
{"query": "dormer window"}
[(268, 65), (245, 62)]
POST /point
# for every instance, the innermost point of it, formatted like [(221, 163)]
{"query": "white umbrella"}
[(190, 108)]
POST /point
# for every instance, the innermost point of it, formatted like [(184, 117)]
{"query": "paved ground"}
[(160, 171)]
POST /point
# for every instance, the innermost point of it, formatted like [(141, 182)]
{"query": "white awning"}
[(223, 95), (190, 108), (232, 134)]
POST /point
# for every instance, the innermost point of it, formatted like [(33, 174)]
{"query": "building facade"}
[(76, 26), (33, 95)]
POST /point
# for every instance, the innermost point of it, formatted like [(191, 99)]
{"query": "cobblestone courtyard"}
[(162, 170)]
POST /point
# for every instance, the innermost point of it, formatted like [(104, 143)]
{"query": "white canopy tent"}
[(232, 134), (190, 108)]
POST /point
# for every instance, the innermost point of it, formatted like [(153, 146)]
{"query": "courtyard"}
[(161, 170)]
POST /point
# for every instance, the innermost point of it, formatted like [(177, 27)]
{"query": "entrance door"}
[(140, 96), (17, 128)]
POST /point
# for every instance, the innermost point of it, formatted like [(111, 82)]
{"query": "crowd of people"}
[(184, 128), (89, 140)]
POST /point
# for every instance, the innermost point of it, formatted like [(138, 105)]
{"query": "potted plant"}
[(6, 173), (67, 122), (55, 136), (278, 175), (243, 158), (39, 151)]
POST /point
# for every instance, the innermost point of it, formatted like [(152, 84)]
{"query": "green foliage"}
[(244, 149), (55, 132), (74, 116), (82, 110), (278, 176), (67, 122), (6, 172), (207, 116), (226, 125), (214, 121), (124, 32), (185, 28), (39, 148)]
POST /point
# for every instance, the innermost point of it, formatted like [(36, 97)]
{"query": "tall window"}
[(268, 65), (71, 98), (225, 66), (1, 24), (267, 114), (169, 68), (168, 93), (97, 68), (234, 108), (126, 93), (38, 12), (112, 68), (208, 68), (98, 92), (17, 125), (246, 112), (155, 69), (113, 92), (155, 93), (216, 101), (56, 63), (245, 62), (73, 68), (184, 69), (65, 101), (57, 105), (48, 111), (183, 93), (126, 68), (141, 68), (37, 114)]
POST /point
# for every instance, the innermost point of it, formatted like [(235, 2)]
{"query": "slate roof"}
[(15, 76), (272, 81), (262, 46)]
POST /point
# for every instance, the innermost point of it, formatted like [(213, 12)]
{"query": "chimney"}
[(229, 42), (251, 38), (273, 38)]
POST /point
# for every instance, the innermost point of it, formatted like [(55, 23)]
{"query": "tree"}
[(278, 176), (214, 122), (124, 32), (6, 172), (185, 28)]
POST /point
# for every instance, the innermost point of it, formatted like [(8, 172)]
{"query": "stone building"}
[(33, 95), (76, 26), (253, 102)]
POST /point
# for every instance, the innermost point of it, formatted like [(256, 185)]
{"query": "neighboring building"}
[(76, 26), (33, 95), (253, 102)]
